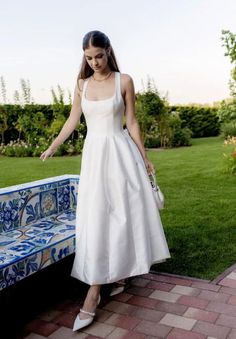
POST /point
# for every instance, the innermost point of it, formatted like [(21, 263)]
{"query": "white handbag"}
[(158, 195)]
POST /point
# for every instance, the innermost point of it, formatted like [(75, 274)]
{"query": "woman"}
[(118, 228)]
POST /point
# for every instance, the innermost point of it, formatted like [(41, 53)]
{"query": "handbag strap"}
[(153, 177), (153, 181)]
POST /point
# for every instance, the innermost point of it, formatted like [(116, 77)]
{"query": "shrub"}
[(230, 155), (17, 148), (229, 129), (181, 137), (152, 142), (150, 108), (40, 147), (79, 145), (202, 121), (167, 132), (227, 110)]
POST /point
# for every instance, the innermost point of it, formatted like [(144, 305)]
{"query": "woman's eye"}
[(98, 57)]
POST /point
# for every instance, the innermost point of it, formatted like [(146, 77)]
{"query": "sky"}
[(176, 43)]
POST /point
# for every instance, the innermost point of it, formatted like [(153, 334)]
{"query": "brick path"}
[(155, 305)]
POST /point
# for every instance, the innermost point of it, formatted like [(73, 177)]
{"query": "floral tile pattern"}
[(9, 216), (37, 226), (48, 202)]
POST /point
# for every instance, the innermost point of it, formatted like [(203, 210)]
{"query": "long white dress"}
[(119, 233)]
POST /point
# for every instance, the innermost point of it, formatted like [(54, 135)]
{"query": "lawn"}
[(199, 215)]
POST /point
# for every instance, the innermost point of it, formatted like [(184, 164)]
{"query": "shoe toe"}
[(117, 290), (79, 323)]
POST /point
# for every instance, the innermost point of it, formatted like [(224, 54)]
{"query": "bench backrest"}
[(23, 204)]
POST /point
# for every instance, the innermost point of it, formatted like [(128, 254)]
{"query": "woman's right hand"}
[(48, 153)]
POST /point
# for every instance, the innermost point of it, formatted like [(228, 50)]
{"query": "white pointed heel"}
[(119, 288), (79, 323)]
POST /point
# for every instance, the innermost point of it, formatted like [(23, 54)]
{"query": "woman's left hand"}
[(149, 166)]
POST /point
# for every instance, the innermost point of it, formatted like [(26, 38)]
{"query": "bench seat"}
[(38, 230)]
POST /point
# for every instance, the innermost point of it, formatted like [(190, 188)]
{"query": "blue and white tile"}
[(5, 240), (6, 259), (31, 210), (22, 248), (9, 213), (23, 233), (48, 203), (63, 198), (67, 217), (46, 224), (11, 274), (62, 250)]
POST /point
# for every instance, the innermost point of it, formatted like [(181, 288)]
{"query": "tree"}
[(227, 111), (26, 92), (3, 90), (229, 40), (3, 122), (3, 112), (152, 113)]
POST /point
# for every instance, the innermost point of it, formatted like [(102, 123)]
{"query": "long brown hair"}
[(96, 39)]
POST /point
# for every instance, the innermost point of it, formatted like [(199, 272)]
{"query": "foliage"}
[(31, 123), (150, 108), (227, 110), (156, 123), (3, 90), (230, 154), (202, 121), (41, 145), (20, 148), (228, 129), (26, 92), (3, 122), (229, 40), (16, 148)]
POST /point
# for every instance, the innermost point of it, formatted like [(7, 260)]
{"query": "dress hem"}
[(122, 277)]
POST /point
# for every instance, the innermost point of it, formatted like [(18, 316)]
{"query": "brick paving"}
[(155, 305)]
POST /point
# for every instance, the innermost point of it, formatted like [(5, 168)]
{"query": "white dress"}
[(119, 233)]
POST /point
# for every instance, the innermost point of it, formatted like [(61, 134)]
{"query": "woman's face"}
[(97, 58)]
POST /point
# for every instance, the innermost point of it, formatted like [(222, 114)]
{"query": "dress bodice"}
[(104, 117)]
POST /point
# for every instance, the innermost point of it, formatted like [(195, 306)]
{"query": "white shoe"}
[(79, 323), (117, 290), (119, 287)]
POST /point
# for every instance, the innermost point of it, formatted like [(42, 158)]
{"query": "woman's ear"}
[(109, 51)]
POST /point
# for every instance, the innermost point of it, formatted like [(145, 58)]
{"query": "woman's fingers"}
[(43, 157), (150, 167), (46, 154)]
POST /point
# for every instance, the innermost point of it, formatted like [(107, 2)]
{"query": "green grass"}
[(199, 215), (199, 218), (20, 170)]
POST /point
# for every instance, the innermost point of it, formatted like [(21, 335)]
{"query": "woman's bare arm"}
[(69, 125), (131, 121)]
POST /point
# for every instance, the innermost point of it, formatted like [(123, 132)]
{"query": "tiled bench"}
[(37, 226)]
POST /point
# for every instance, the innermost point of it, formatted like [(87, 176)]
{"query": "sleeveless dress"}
[(119, 233)]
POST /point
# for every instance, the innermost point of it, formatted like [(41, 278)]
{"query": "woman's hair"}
[(96, 39)]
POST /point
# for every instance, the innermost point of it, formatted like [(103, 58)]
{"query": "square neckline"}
[(85, 87)]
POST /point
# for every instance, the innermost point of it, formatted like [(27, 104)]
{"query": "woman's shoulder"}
[(126, 81), (80, 85), (126, 77)]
